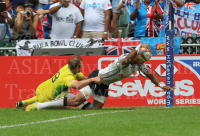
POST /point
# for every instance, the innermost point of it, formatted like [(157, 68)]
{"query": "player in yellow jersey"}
[(63, 80)]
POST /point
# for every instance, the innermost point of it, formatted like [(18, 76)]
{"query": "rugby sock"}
[(91, 105), (54, 103), (65, 101), (84, 105), (29, 101)]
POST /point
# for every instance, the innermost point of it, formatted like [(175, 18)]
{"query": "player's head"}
[(144, 54), (75, 64)]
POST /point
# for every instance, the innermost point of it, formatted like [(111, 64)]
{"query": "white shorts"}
[(87, 92)]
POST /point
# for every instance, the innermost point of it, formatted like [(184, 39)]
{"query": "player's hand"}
[(143, 45), (168, 88), (137, 5), (105, 36), (97, 80), (4, 14)]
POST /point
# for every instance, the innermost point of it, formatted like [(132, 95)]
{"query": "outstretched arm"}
[(157, 81), (180, 3), (131, 55), (83, 78), (54, 9), (83, 83), (120, 5)]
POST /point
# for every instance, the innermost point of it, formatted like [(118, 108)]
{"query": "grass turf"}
[(142, 121)]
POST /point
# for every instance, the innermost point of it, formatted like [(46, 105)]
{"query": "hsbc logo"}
[(161, 70)]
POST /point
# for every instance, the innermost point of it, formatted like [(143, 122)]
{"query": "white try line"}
[(65, 118)]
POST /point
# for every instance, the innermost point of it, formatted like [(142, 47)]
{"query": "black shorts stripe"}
[(102, 89)]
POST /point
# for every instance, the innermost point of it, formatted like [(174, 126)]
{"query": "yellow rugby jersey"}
[(60, 81)]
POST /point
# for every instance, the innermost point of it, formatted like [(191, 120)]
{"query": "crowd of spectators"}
[(64, 19)]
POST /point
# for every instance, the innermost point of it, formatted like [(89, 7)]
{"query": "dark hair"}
[(74, 62), (20, 4), (30, 3)]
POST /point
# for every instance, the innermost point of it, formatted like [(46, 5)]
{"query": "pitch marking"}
[(65, 118)]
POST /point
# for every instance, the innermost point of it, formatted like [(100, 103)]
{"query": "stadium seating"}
[(122, 21)]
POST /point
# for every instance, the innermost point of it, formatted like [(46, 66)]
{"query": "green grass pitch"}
[(137, 121)]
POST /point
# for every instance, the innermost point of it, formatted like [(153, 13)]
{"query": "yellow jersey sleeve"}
[(69, 80), (79, 75)]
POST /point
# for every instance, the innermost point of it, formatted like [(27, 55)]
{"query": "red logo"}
[(190, 5)]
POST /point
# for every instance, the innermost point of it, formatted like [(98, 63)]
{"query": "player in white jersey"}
[(122, 67)]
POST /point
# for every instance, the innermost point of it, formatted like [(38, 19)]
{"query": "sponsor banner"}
[(20, 77), (120, 46), (25, 47), (170, 67), (186, 23), (154, 41)]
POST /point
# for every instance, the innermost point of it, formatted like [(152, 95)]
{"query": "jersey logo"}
[(85, 93)]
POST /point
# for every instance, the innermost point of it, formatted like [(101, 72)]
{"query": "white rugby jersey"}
[(116, 71)]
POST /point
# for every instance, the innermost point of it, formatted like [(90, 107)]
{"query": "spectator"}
[(175, 3), (9, 7), (115, 17), (47, 19), (42, 3), (27, 21), (147, 13), (161, 3), (76, 3), (129, 4), (66, 20), (19, 8), (96, 18), (5, 34), (12, 12), (193, 7)]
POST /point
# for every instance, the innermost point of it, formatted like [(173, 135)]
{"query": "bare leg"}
[(31, 100), (64, 101), (97, 105), (77, 100), (114, 24)]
